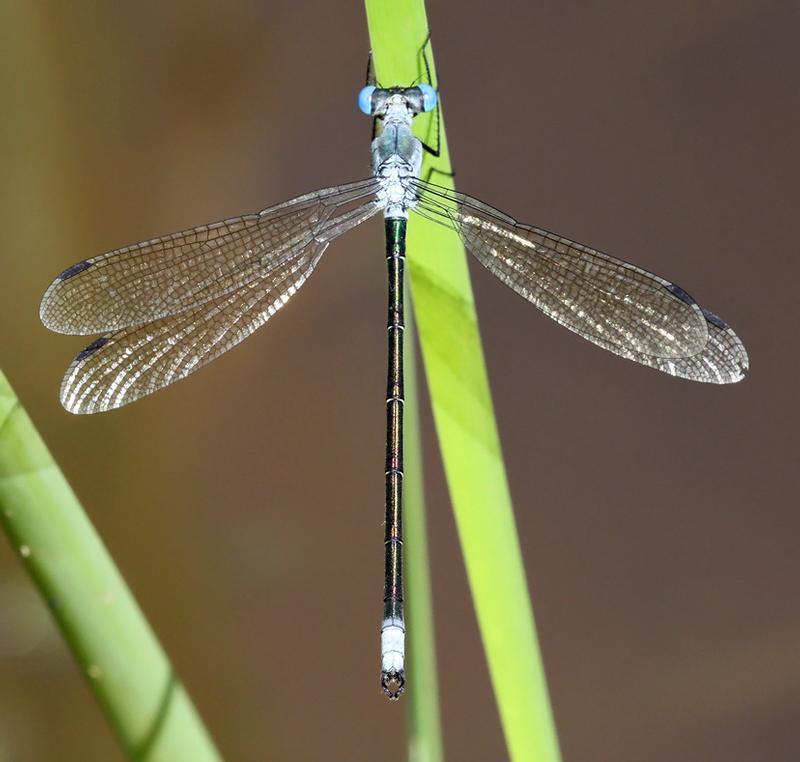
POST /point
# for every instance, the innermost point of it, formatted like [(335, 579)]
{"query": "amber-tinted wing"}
[(123, 366), (612, 303), (166, 275)]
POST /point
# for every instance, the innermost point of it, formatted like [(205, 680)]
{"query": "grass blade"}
[(112, 642), (424, 724), (462, 406)]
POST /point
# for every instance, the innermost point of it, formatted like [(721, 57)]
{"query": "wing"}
[(167, 275), (612, 303), (723, 360), (121, 367)]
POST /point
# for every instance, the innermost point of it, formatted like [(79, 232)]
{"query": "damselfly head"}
[(376, 101)]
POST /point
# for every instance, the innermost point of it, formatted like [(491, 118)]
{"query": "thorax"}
[(396, 159)]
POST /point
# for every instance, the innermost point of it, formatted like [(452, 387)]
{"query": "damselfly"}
[(168, 306)]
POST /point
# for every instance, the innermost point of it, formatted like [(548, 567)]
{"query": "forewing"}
[(610, 302), (119, 368), (164, 276)]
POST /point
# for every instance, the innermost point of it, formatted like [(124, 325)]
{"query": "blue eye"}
[(428, 96), (365, 99)]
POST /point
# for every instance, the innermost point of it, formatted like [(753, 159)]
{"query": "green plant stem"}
[(424, 723), (467, 432), (112, 642)]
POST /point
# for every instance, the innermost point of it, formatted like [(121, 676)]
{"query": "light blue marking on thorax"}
[(396, 159)]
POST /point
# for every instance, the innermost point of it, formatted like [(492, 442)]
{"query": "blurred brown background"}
[(658, 518)]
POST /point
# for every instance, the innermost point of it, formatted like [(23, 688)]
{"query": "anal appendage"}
[(393, 675)]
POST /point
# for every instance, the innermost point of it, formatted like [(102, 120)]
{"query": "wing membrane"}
[(723, 360), (610, 302), (126, 365), (167, 275)]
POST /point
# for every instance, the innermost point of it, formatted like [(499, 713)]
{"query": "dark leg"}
[(370, 78), (434, 171), (425, 147)]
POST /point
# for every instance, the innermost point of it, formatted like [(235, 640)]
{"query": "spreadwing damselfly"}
[(166, 307)]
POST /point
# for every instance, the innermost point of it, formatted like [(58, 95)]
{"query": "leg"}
[(425, 147), (370, 80), (370, 77), (434, 171)]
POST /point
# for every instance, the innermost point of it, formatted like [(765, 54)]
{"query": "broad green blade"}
[(462, 407), (112, 642)]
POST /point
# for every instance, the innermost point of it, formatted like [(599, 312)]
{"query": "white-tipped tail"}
[(393, 637)]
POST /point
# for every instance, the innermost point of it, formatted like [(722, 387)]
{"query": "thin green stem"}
[(464, 418), (424, 724), (112, 642)]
